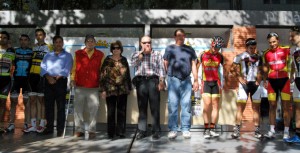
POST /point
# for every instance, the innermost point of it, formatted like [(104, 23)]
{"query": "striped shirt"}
[(150, 65)]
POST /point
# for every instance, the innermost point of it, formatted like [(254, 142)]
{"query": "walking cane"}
[(67, 113)]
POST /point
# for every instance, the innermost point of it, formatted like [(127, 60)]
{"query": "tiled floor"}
[(19, 142)]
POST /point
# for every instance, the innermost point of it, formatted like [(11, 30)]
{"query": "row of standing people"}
[(178, 62), (41, 72), (263, 75), (269, 74), (17, 66)]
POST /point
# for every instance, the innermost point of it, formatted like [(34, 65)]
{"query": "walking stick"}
[(67, 113)]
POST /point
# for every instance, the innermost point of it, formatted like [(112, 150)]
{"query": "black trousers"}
[(56, 93), (118, 103), (147, 91)]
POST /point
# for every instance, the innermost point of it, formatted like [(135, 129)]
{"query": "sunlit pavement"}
[(19, 142)]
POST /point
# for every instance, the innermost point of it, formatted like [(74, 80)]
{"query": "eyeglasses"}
[(113, 48), (149, 42)]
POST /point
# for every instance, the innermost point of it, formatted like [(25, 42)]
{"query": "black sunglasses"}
[(113, 48), (146, 42)]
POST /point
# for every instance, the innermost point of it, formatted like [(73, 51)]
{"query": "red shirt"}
[(87, 72), (210, 65), (278, 60)]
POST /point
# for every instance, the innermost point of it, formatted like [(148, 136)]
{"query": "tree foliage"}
[(26, 5)]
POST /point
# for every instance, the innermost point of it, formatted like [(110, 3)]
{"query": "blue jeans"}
[(179, 91)]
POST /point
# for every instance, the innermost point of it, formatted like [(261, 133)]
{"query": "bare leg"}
[(256, 108), (239, 113), (272, 112), (27, 109), (33, 107), (286, 112), (13, 106), (207, 109), (2, 109), (297, 105), (215, 109)]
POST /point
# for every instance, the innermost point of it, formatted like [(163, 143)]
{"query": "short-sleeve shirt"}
[(210, 65), (23, 61), (248, 64), (296, 61), (180, 60), (38, 54), (278, 60), (7, 58)]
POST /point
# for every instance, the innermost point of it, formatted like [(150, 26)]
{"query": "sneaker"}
[(294, 139), (40, 129), (258, 135), (213, 133), (10, 128), (206, 134), (186, 134), (286, 135), (270, 135), (30, 129), (172, 134), (236, 133)]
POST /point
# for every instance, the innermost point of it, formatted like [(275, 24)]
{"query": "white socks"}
[(272, 128), (286, 129), (33, 122), (42, 122)]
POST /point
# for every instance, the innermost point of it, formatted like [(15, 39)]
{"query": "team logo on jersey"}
[(211, 63)]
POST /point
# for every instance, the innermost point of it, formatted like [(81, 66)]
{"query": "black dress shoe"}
[(47, 131), (141, 135), (155, 136), (59, 133), (110, 136), (120, 135)]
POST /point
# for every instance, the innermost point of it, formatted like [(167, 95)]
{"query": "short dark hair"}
[(57, 37), (40, 30), (5, 33), (180, 30), (118, 42), (295, 29), (89, 36), (273, 34), (24, 35), (250, 41)]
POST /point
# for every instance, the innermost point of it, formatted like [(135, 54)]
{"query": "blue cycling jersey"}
[(23, 60)]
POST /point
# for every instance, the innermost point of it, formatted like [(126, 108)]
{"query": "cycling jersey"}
[(296, 61), (38, 54), (7, 58), (23, 61), (211, 64), (249, 65), (279, 62)]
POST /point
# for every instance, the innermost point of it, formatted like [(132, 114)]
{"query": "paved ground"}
[(33, 143)]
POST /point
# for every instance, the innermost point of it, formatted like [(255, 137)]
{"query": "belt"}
[(61, 78), (148, 77)]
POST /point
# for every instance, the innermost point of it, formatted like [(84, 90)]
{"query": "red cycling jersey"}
[(210, 65), (279, 62)]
